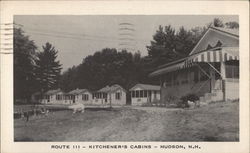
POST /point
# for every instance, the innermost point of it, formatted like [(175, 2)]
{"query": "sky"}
[(76, 37)]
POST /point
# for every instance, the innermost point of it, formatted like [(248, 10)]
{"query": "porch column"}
[(212, 76), (223, 77), (223, 70)]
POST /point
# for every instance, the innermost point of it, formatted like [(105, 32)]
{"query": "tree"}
[(184, 42), (162, 48), (24, 55), (169, 45), (106, 67), (48, 68), (232, 25), (218, 23)]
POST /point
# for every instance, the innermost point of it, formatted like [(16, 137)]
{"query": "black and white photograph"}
[(126, 78)]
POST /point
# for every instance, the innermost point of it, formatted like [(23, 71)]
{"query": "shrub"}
[(188, 97)]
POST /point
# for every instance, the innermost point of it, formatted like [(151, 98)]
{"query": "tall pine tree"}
[(48, 68), (24, 55)]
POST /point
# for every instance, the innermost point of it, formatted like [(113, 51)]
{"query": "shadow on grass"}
[(101, 109)]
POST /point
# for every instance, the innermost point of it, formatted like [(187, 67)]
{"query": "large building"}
[(211, 70)]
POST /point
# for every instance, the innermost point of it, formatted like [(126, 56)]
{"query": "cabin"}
[(114, 95), (53, 97), (210, 71), (36, 97), (79, 96), (144, 93)]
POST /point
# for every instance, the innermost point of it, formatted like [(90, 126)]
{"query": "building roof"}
[(112, 88), (168, 68), (146, 87), (232, 33), (51, 92), (77, 91), (227, 30)]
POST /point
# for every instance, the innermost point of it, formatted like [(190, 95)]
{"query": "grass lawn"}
[(214, 122)]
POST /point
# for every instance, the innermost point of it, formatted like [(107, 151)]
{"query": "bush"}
[(188, 97)]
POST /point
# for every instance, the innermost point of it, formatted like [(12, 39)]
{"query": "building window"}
[(209, 47), (149, 93), (59, 97), (141, 93), (118, 95), (85, 97), (104, 95), (145, 93), (219, 44), (232, 69), (155, 94), (137, 93)]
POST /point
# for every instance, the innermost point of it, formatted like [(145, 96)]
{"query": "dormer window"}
[(209, 46), (219, 44)]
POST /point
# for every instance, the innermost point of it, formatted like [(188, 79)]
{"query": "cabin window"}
[(155, 94), (145, 93), (149, 93), (118, 95), (59, 97), (141, 93), (85, 97), (137, 93)]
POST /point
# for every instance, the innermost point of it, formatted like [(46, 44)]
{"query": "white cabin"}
[(115, 94), (53, 97), (79, 96), (144, 93)]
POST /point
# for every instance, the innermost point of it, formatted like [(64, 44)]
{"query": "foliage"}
[(232, 25), (48, 69), (169, 45), (218, 22), (24, 70), (106, 67), (189, 97)]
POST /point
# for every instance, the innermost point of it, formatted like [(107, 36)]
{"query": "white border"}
[(10, 8)]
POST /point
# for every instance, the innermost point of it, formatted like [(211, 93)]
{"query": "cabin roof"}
[(112, 88), (77, 91), (51, 92), (146, 87)]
